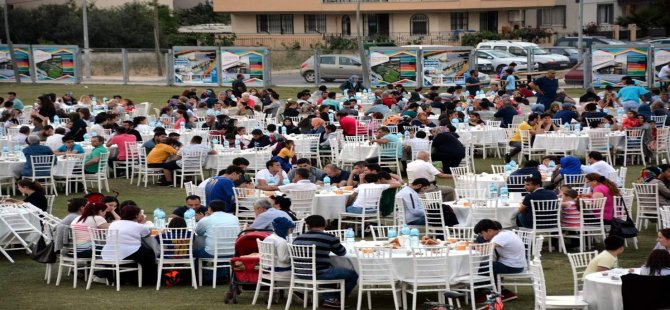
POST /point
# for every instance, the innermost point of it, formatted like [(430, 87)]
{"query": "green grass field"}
[(22, 286)]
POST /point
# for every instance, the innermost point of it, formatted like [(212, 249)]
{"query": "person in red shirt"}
[(349, 124), (120, 139), (388, 100), (631, 121)]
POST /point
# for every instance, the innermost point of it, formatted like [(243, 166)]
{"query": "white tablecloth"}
[(330, 205), (402, 263), (480, 135), (224, 159), (602, 292), (30, 216), (577, 143), (506, 214)]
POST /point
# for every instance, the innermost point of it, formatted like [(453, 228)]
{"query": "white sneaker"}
[(97, 279)]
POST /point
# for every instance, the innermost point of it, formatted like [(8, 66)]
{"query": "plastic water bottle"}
[(326, 183), (286, 181), (508, 169), (283, 130), (159, 218), (493, 191), (552, 165), (104, 99), (566, 127), (349, 239), (459, 109), (414, 238), (56, 119), (5, 151), (182, 126), (607, 125), (578, 127), (392, 234), (455, 121), (504, 194), (237, 144), (407, 135), (86, 136), (466, 120), (404, 235), (189, 216), (226, 144), (331, 117)]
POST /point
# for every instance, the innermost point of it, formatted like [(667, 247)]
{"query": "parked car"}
[(545, 59), (332, 66), (500, 60), (571, 53), (665, 41), (587, 40)]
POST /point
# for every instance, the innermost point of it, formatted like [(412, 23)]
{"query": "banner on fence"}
[(445, 66), (662, 59), (247, 61), (55, 63), (22, 54), (610, 64), (195, 65), (393, 66)]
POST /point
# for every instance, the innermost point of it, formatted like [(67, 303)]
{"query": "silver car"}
[(501, 59), (332, 66)]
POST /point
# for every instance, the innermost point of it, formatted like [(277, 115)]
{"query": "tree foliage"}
[(129, 25), (652, 16)]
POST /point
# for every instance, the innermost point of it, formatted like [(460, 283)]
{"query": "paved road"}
[(292, 78)]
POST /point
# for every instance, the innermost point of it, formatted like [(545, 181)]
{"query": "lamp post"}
[(580, 29), (361, 49), (9, 42), (87, 51)]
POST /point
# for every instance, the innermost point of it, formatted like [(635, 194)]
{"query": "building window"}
[(275, 23), (605, 14), (459, 21), (346, 25), (418, 24), (315, 23), (551, 17)]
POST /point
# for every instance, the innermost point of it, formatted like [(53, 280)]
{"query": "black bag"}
[(624, 228), (450, 218), (43, 253)]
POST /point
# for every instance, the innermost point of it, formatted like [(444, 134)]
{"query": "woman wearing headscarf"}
[(353, 83), (282, 228)]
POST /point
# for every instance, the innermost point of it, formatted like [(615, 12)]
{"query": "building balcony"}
[(340, 6)]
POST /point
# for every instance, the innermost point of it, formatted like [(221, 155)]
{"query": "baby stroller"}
[(245, 269)]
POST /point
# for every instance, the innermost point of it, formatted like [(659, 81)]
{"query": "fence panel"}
[(144, 67)]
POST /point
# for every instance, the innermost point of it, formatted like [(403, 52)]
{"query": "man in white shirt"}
[(56, 140), (414, 214), (601, 167), (270, 178), (423, 168), (509, 248), (301, 182), (364, 199), (664, 73), (216, 216)]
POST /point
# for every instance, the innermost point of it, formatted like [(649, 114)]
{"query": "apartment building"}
[(172, 4), (273, 23)]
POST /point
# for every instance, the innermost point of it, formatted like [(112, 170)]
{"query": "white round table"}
[(604, 292), (578, 144), (506, 214), (481, 135), (402, 262), (330, 205)]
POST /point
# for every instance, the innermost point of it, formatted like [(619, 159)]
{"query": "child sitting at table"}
[(631, 120), (608, 259), (569, 208)]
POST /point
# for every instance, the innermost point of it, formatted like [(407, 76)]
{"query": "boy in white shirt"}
[(363, 198), (509, 248)]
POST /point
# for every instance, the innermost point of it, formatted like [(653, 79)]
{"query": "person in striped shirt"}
[(326, 243), (569, 209)]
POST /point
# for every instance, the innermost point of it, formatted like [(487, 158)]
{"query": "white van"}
[(545, 59)]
